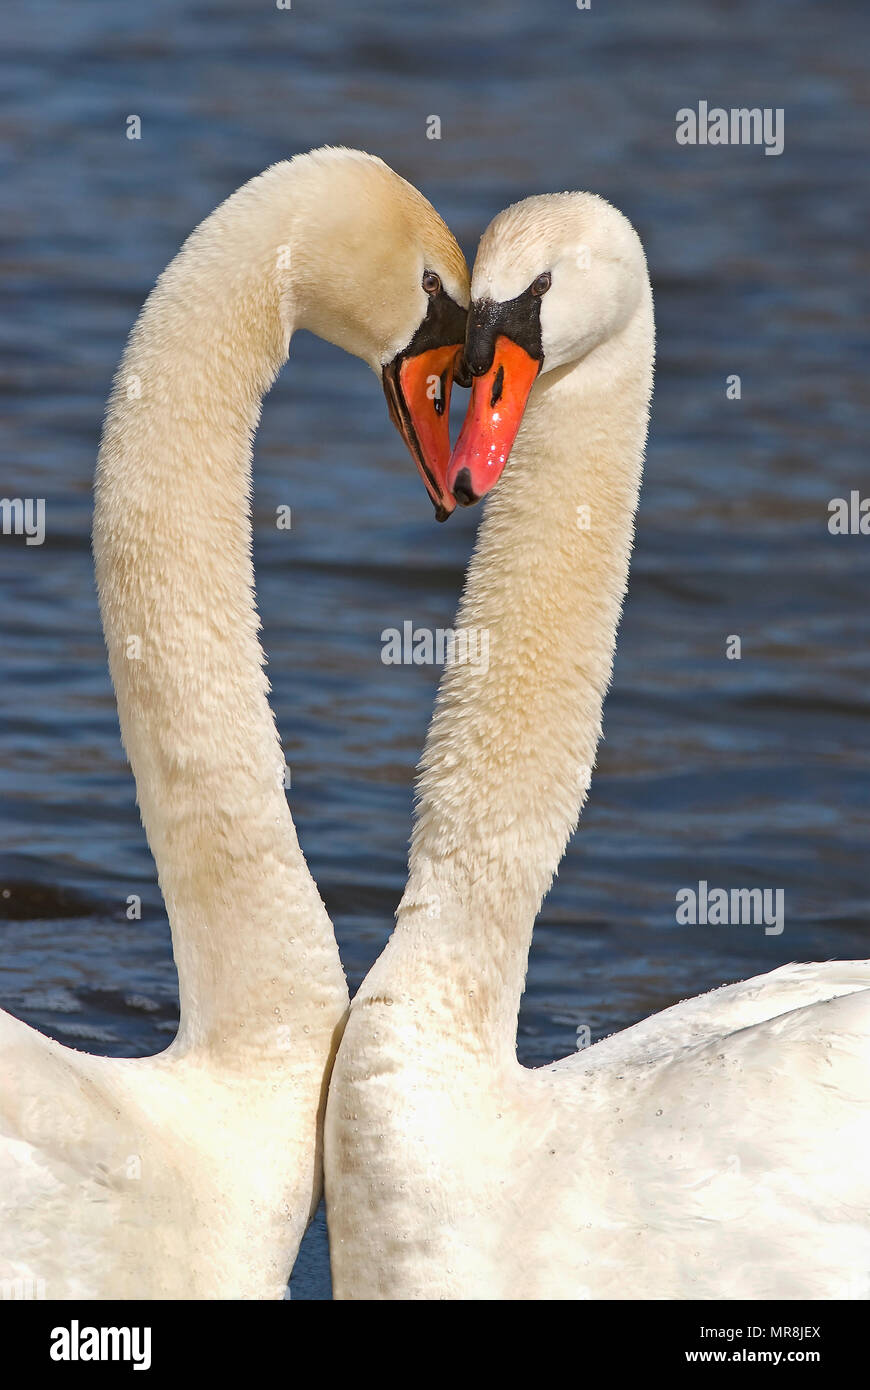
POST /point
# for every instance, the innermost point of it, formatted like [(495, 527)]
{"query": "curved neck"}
[(509, 753), (257, 962)]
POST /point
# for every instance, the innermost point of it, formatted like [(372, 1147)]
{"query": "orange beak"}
[(417, 389), (495, 412)]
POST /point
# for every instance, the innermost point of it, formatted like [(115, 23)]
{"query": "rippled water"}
[(743, 773)]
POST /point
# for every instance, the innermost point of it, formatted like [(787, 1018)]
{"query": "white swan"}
[(716, 1150), (194, 1173)]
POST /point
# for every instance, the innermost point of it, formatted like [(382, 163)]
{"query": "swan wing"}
[(741, 1122), (724, 1011), (64, 1158)]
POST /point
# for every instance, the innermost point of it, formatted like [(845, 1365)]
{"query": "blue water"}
[(743, 773)]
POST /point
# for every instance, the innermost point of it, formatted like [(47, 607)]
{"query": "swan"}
[(716, 1150), (193, 1174)]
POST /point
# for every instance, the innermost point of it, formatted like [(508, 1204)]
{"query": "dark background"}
[(749, 773)]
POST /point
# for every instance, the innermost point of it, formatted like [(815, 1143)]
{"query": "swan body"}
[(716, 1150), (193, 1174)]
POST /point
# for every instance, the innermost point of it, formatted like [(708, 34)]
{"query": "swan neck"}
[(257, 964), (511, 746)]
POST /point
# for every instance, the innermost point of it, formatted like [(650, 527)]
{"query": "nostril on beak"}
[(463, 490)]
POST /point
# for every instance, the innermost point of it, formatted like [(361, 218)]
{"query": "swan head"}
[(555, 276), (379, 274)]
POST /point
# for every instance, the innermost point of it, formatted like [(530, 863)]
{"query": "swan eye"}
[(431, 282), (542, 284)]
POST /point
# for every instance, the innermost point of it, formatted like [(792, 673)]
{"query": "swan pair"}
[(715, 1150)]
